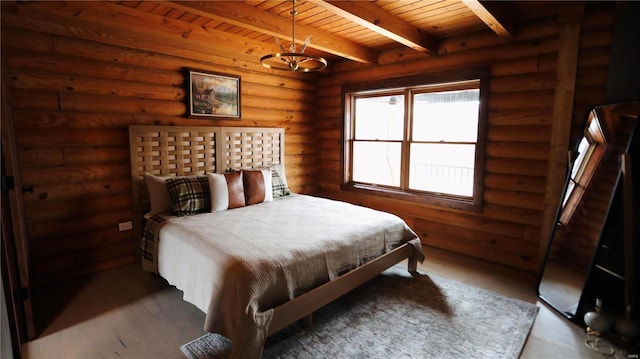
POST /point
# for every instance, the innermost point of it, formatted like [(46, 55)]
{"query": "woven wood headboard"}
[(196, 150)]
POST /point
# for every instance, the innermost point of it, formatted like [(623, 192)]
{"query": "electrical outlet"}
[(125, 226)]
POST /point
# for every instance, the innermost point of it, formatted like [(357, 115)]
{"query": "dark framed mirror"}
[(593, 177)]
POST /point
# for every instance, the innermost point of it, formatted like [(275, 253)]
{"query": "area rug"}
[(400, 315)]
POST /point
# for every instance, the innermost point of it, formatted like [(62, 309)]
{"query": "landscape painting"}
[(213, 94)]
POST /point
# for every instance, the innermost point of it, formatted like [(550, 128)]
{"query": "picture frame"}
[(212, 94)]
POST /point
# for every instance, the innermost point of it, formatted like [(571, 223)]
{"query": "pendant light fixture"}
[(292, 60)]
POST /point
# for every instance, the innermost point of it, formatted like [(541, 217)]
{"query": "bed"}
[(257, 268)]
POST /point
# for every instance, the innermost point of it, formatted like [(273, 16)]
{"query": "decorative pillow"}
[(279, 181), (254, 186), (236, 189), (189, 195), (268, 186), (159, 199), (219, 192)]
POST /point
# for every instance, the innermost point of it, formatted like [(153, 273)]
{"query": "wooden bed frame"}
[(190, 150)]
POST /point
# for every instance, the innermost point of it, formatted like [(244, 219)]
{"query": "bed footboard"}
[(307, 303)]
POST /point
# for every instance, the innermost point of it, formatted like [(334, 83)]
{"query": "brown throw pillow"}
[(254, 191), (236, 189)]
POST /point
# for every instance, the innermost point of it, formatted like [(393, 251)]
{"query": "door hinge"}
[(8, 183), (21, 294)]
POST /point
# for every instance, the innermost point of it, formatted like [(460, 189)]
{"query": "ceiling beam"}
[(494, 16), (374, 18), (249, 17)]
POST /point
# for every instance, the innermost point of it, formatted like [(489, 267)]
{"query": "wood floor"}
[(127, 313)]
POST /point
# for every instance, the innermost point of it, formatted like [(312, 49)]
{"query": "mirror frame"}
[(576, 317), (571, 317)]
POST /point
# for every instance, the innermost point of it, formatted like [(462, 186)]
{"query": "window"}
[(585, 149), (422, 141), (590, 150)]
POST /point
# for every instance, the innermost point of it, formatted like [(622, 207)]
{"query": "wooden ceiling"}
[(355, 30)]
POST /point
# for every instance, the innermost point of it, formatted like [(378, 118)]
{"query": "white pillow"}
[(219, 192), (268, 186), (159, 199)]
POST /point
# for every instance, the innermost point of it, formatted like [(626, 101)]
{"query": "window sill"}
[(414, 196)]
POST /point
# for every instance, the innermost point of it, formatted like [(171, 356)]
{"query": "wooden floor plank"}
[(127, 313)]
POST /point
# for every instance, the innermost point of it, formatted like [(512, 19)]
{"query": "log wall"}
[(73, 91), (521, 102), (77, 79)]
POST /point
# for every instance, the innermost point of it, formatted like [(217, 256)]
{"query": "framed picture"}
[(213, 94)]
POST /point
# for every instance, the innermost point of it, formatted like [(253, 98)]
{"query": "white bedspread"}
[(236, 265)]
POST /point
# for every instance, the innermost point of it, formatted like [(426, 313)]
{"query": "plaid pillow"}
[(278, 183), (189, 195)]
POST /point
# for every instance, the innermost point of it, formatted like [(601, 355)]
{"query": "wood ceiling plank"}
[(189, 17), (146, 6), (255, 19), (371, 16), (328, 21), (161, 9), (424, 9), (175, 14), (400, 6), (131, 4), (306, 10), (111, 23), (201, 21), (434, 14), (275, 7)]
